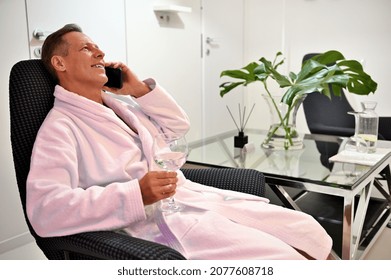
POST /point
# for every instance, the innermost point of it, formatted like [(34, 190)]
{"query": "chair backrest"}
[(30, 99), (328, 116)]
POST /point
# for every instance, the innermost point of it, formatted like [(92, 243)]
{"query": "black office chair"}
[(31, 97), (330, 116)]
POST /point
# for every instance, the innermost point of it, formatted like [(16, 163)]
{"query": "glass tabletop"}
[(310, 164)]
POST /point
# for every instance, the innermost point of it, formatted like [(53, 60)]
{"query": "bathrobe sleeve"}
[(164, 110), (56, 204)]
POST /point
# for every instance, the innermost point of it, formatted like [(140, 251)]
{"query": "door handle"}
[(40, 34), (211, 41)]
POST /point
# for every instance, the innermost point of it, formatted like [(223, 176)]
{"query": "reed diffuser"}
[(241, 139)]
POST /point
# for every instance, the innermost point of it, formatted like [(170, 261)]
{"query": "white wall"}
[(360, 29), (168, 51), (264, 29)]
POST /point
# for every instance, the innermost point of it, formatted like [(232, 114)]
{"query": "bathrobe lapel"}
[(131, 114)]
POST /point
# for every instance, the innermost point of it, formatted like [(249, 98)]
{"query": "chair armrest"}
[(236, 179), (106, 245)]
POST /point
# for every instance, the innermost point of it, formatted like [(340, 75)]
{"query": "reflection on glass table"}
[(340, 195)]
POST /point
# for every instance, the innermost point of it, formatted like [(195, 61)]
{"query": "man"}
[(92, 169)]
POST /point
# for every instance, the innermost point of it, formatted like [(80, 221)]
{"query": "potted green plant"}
[(327, 73)]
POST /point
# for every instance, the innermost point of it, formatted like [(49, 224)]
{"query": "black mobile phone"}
[(114, 76)]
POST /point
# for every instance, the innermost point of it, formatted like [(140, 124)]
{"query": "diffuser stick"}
[(233, 118), (248, 116), (244, 115), (240, 119)]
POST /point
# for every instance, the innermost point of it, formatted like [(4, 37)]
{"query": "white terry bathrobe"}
[(84, 174)]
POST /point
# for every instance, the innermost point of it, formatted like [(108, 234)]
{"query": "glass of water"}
[(170, 152)]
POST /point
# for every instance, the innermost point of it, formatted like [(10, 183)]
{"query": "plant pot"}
[(282, 134)]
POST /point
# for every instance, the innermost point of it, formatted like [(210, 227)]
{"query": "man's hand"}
[(132, 85), (157, 185)]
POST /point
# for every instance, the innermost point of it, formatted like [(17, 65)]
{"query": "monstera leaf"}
[(327, 73)]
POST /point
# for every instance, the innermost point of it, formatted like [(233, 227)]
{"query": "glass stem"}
[(171, 201)]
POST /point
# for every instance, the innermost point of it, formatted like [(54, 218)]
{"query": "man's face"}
[(84, 64)]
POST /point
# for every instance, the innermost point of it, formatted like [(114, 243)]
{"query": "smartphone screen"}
[(114, 76)]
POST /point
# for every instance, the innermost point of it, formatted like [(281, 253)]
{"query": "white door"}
[(103, 21), (222, 49)]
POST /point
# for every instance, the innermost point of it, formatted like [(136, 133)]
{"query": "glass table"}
[(351, 201)]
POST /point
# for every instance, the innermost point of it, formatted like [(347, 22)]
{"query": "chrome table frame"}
[(353, 221)]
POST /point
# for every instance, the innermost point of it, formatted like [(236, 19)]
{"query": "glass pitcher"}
[(356, 143), (368, 125)]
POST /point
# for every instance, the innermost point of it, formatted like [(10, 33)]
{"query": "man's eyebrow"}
[(93, 44)]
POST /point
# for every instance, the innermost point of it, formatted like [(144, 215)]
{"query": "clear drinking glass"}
[(170, 152)]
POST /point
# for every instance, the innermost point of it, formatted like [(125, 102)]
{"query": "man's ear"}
[(58, 63)]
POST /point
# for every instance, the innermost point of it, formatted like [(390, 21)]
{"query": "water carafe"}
[(368, 125)]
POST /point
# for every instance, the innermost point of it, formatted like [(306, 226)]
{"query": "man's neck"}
[(94, 94)]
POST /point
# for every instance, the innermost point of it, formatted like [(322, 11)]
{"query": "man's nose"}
[(99, 53)]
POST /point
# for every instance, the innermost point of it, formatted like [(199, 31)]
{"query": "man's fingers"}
[(165, 174)]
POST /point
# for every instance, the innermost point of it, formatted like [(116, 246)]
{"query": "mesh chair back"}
[(30, 99), (328, 116)]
